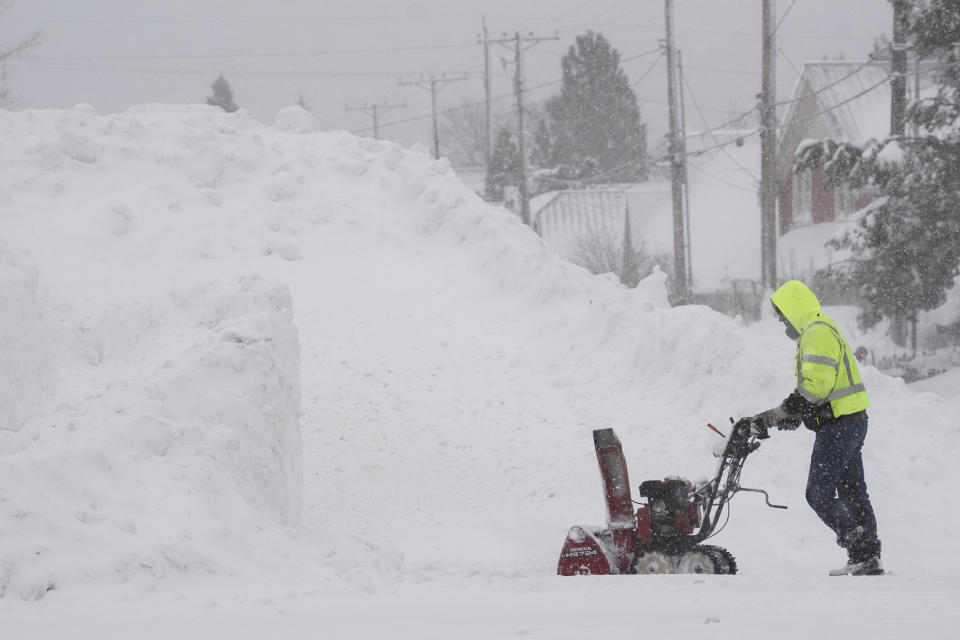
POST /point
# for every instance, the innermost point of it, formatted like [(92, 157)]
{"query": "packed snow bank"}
[(239, 382), (26, 376), (296, 119), (183, 438)]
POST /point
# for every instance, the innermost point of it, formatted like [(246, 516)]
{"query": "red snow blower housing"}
[(666, 533)]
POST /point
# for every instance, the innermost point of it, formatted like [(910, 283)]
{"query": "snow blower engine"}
[(665, 534)]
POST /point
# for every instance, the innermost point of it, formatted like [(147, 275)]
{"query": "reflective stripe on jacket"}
[(826, 369)]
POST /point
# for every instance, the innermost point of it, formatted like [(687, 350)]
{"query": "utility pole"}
[(518, 90), (686, 174), (488, 147), (375, 110), (434, 83), (680, 285), (521, 131), (768, 147), (898, 109), (898, 68)]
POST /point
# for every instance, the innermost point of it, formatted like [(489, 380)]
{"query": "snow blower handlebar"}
[(742, 441)]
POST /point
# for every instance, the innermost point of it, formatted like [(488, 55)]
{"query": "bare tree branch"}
[(30, 41)]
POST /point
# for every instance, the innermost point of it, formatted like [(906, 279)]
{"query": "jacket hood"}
[(797, 303)]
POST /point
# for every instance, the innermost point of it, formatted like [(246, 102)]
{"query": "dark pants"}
[(836, 488)]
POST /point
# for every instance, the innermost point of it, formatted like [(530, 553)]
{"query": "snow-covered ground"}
[(268, 380)]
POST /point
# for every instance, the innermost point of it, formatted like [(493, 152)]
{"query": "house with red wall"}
[(846, 101)]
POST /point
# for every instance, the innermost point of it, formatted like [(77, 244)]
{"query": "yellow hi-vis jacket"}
[(826, 368)]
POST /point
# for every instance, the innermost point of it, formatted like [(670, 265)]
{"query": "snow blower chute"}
[(666, 533)]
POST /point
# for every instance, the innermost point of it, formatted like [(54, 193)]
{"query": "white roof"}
[(854, 97), (857, 96)]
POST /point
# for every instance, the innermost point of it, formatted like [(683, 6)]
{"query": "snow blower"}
[(666, 533)]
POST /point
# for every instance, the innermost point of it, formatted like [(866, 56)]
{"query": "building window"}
[(845, 201), (802, 198)]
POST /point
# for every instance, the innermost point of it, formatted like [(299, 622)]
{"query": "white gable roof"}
[(855, 97), (851, 100)]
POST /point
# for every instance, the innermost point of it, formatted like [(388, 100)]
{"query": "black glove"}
[(771, 417), (798, 406), (758, 429), (788, 424), (777, 417)]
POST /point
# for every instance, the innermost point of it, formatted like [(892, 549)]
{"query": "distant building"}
[(563, 217), (723, 232), (846, 101)]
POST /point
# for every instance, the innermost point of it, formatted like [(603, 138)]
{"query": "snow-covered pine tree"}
[(222, 95), (595, 119), (504, 168), (906, 245), (542, 154)]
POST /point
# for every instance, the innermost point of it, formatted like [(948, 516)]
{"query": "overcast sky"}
[(117, 53)]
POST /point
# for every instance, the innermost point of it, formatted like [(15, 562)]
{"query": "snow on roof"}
[(854, 97), (857, 95)]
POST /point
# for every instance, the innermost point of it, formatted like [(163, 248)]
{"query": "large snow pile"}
[(192, 276), (175, 426)]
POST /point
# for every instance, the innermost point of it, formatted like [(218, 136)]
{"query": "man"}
[(831, 400)]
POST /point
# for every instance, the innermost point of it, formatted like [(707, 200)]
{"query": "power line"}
[(541, 86), (860, 67), (434, 84), (608, 11), (726, 124), (776, 27), (805, 120), (281, 54), (642, 54), (721, 180), (235, 72), (740, 72), (31, 64), (740, 33), (468, 105), (528, 90), (649, 69), (578, 24), (819, 91), (577, 8), (686, 82), (784, 55), (740, 136), (375, 110), (850, 99), (217, 56), (256, 20), (510, 95)]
